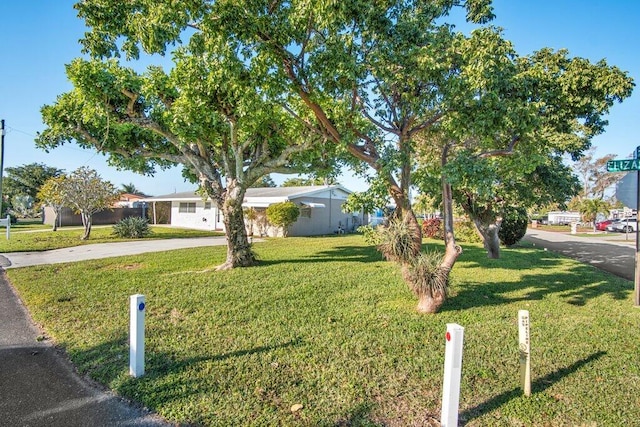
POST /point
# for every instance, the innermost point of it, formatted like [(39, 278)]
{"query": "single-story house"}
[(320, 210)]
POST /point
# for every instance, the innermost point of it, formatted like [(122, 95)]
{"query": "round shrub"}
[(283, 215), (465, 231), (514, 226), (132, 227)]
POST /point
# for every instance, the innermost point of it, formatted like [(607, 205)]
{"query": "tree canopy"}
[(86, 193), (262, 86), (27, 180)]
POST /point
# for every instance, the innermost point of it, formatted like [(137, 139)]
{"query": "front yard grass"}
[(325, 323), (42, 240)]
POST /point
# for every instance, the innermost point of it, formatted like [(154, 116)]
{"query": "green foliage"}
[(283, 215), (23, 206), (27, 180), (130, 188), (264, 182), (433, 228), (370, 235), (465, 231), (514, 225), (590, 208), (132, 227), (302, 182), (376, 197)]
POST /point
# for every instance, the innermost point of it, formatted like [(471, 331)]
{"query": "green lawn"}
[(38, 239), (324, 323)]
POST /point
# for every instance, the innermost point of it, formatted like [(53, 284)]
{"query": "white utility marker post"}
[(525, 351), (452, 375), (136, 335), (7, 223)]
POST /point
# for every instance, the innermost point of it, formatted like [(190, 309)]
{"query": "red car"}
[(602, 225)]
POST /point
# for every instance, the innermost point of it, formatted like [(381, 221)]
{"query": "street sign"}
[(623, 165)]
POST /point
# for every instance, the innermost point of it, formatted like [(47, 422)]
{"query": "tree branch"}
[(504, 152)]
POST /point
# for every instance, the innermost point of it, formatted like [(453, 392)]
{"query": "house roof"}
[(264, 194)]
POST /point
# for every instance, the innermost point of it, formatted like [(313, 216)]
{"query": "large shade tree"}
[(527, 112), (209, 114), (372, 78)]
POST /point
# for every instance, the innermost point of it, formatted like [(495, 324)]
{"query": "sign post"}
[(452, 374), (632, 165), (136, 335), (525, 351)]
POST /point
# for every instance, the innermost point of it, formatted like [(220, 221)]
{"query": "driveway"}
[(103, 250), (614, 256)]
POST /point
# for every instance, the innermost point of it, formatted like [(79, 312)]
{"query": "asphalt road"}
[(614, 256)]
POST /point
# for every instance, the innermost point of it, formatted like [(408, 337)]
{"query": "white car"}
[(626, 225)]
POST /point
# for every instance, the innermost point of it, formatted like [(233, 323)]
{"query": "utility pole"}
[(2, 132)]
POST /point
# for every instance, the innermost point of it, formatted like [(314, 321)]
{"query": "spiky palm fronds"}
[(425, 276), (396, 242)]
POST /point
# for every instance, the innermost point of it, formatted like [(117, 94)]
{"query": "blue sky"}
[(40, 36)]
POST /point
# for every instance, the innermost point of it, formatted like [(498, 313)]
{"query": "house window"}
[(188, 207), (207, 206), (305, 212)]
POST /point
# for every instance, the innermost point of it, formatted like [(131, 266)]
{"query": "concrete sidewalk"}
[(103, 250)]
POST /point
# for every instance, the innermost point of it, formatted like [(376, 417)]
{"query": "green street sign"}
[(623, 165)]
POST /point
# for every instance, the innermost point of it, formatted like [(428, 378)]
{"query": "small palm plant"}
[(422, 271)]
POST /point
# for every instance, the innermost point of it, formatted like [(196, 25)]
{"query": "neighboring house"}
[(129, 200), (320, 210), (563, 217)]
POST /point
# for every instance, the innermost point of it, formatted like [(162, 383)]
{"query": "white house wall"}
[(201, 219), (327, 220), (323, 220)]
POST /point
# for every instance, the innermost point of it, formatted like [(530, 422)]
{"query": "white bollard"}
[(525, 351), (452, 375), (8, 227), (136, 335)]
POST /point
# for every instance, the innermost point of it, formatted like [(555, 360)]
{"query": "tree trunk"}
[(452, 250), (490, 239), (86, 222), (55, 220), (430, 304), (239, 253)]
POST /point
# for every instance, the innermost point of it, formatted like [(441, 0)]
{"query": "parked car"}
[(626, 225), (612, 225), (602, 225)]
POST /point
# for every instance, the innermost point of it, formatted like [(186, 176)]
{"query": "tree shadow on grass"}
[(575, 285), (358, 254), (162, 381), (537, 386)]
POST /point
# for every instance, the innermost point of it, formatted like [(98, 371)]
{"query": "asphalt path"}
[(612, 254)]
